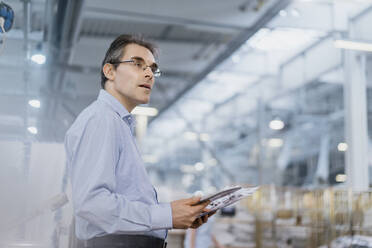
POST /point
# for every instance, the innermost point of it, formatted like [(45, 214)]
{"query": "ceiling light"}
[(204, 137), (32, 130), (275, 142), (342, 147), (212, 162), (199, 166), (276, 124), (190, 136), (34, 103), (283, 13), (186, 168), (340, 178), (147, 111), (353, 45), (38, 58)]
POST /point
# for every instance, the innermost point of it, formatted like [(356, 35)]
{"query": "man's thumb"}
[(194, 200)]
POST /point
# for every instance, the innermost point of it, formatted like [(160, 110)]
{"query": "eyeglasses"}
[(141, 64)]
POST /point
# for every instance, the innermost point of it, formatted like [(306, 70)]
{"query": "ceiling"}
[(229, 67)]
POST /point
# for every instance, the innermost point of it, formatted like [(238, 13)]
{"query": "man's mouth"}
[(147, 86)]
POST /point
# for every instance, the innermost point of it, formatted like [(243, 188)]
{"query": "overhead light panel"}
[(199, 166), (212, 162), (190, 136), (147, 111), (353, 45), (187, 168), (276, 124), (204, 137), (32, 130), (340, 178), (38, 58), (34, 103), (342, 147), (275, 142)]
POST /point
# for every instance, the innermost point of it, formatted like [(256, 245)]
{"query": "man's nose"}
[(148, 72)]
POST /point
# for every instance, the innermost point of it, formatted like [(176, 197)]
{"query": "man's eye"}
[(138, 64)]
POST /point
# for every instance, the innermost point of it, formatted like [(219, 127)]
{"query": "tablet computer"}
[(218, 195)]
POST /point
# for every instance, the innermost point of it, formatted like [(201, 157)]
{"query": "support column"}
[(356, 133)]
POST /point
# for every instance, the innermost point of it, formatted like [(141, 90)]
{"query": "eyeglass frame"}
[(156, 73)]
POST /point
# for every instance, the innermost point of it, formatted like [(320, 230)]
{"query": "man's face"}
[(131, 83)]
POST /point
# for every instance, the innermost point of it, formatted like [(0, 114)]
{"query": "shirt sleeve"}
[(93, 159)]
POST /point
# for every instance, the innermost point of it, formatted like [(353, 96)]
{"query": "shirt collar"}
[(118, 108), (114, 103)]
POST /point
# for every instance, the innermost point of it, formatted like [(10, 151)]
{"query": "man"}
[(115, 205)]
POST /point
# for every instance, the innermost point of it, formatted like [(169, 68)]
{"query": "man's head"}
[(128, 70)]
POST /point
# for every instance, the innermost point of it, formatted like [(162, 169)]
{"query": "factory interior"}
[(269, 93)]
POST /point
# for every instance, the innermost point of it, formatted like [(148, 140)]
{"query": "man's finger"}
[(205, 218), (201, 206), (197, 222), (212, 213), (193, 200)]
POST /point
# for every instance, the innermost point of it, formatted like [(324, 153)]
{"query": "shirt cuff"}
[(161, 216)]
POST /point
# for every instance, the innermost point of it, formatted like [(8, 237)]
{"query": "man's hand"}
[(201, 220), (184, 215)]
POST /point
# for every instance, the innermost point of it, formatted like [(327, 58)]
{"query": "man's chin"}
[(144, 101)]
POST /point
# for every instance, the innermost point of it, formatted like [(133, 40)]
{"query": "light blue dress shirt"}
[(111, 191)]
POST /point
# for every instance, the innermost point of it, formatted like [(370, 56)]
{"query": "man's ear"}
[(109, 71)]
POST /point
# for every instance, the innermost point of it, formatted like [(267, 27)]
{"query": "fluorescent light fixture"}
[(204, 137), (276, 124), (342, 147), (340, 178), (190, 136), (34, 103), (283, 13), (38, 58), (199, 166), (147, 111), (32, 130), (353, 45), (275, 142), (212, 162), (186, 168)]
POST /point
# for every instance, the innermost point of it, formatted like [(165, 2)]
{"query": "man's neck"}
[(127, 105)]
